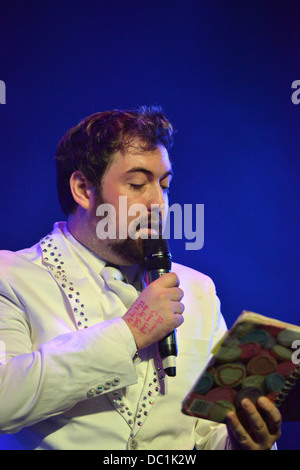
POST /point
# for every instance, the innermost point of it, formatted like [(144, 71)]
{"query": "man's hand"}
[(260, 429), (157, 311)]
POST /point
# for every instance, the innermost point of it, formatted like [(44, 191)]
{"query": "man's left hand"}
[(260, 429)]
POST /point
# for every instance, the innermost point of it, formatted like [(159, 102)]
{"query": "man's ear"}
[(81, 189)]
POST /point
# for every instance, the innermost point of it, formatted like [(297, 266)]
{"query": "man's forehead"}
[(135, 156)]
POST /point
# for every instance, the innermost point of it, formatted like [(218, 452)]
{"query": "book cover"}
[(258, 356)]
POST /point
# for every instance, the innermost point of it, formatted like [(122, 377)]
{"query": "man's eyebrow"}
[(137, 169)]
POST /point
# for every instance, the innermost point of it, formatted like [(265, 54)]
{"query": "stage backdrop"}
[(223, 72)]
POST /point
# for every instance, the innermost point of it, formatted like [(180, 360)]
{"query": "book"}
[(258, 356)]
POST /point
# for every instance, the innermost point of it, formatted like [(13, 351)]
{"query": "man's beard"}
[(129, 250)]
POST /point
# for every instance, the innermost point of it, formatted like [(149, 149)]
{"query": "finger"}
[(168, 280), (175, 294), (272, 415), (178, 319), (238, 431), (257, 424), (178, 308)]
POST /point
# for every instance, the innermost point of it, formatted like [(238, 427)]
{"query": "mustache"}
[(152, 220), (151, 224)]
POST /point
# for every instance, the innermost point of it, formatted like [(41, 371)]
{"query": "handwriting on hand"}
[(143, 318)]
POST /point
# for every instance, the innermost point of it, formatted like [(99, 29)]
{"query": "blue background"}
[(222, 71)]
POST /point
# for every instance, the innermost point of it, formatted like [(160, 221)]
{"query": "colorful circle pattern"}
[(254, 360)]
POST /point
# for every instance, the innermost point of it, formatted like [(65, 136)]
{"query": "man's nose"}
[(157, 196)]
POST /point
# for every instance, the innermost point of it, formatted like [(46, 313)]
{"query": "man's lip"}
[(146, 232), (147, 229)]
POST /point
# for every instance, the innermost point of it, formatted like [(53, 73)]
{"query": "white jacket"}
[(66, 369)]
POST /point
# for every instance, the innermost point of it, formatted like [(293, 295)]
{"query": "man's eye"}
[(166, 189), (136, 187)]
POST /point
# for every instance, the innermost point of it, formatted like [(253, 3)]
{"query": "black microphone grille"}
[(157, 254), (155, 245)]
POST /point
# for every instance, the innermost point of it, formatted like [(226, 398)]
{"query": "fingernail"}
[(246, 403), (263, 401)]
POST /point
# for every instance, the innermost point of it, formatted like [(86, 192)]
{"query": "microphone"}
[(157, 261)]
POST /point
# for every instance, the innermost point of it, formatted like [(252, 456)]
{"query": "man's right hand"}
[(157, 311)]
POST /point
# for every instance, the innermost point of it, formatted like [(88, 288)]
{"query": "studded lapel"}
[(82, 297)]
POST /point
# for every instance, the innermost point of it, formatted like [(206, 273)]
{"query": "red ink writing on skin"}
[(145, 322)]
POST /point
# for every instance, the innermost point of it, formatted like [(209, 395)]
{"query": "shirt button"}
[(133, 445), (91, 393)]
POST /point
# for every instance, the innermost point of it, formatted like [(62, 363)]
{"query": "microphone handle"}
[(168, 345)]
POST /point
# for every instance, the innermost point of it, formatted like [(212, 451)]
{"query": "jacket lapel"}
[(81, 297)]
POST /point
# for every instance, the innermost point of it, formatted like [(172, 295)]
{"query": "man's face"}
[(142, 177)]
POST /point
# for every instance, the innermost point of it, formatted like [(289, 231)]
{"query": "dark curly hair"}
[(88, 147)]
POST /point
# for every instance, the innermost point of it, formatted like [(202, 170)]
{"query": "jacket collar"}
[(63, 259)]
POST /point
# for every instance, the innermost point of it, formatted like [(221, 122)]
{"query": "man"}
[(81, 369)]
